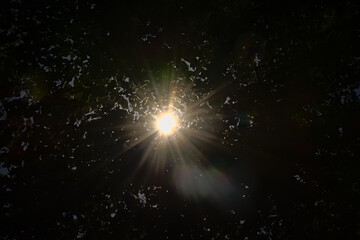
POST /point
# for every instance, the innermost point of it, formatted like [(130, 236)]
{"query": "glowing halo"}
[(166, 123)]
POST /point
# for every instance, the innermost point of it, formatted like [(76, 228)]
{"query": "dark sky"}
[(266, 97)]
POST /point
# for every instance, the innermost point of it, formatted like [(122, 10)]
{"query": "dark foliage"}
[(270, 93)]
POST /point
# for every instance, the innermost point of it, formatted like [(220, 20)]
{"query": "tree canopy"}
[(267, 96)]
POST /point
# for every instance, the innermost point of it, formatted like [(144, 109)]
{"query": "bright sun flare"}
[(166, 123)]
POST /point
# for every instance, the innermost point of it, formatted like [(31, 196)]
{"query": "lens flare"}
[(166, 123)]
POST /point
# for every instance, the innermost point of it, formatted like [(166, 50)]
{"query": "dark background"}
[(269, 96)]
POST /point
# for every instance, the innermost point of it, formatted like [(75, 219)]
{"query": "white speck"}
[(71, 83), (69, 40), (112, 215), (68, 57), (299, 179), (74, 168), (232, 211), (136, 115), (357, 92), (242, 222), (93, 119), (24, 145), (22, 94), (92, 6), (130, 108), (227, 100), (191, 69), (3, 113), (141, 197), (75, 217), (261, 232), (3, 170), (4, 150), (77, 122), (58, 82), (80, 235), (257, 60), (90, 113)]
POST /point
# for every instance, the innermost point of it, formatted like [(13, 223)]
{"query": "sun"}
[(166, 123)]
